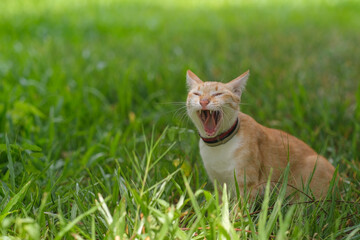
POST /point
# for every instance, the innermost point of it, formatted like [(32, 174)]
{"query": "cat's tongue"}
[(210, 124)]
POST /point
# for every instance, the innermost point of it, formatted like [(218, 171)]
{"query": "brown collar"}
[(223, 137)]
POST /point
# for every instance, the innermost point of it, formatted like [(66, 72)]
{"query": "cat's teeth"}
[(211, 111)]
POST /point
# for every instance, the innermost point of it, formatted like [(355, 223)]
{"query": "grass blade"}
[(10, 164), (14, 200), (71, 224)]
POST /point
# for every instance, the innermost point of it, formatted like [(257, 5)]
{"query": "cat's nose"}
[(204, 102)]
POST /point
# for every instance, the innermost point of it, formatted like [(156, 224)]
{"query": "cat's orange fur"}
[(254, 149)]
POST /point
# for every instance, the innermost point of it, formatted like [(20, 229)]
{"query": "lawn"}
[(94, 138)]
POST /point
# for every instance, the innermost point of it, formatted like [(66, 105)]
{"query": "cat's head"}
[(214, 106)]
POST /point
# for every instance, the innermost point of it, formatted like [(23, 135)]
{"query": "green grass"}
[(91, 101)]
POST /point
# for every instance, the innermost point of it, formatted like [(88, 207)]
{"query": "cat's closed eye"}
[(217, 94), (197, 94)]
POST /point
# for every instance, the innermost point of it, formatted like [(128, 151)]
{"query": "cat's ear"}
[(238, 84), (192, 80)]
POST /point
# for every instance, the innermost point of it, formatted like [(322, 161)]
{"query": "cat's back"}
[(271, 140), (272, 148)]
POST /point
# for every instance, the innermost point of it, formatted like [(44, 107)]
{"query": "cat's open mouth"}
[(210, 120)]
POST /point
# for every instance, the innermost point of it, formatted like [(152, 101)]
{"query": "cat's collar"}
[(223, 137)]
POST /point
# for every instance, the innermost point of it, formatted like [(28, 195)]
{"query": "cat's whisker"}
[(181, 108), (180, 113), (174, 103), (175, 111), (183, 116), (225, 117), (227, 107)]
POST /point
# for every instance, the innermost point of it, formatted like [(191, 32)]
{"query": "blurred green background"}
[(84, 83)]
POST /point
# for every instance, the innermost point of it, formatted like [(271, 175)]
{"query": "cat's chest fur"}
[(221, 161)]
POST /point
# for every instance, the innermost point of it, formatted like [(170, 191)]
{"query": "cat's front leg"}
[(248, 183)]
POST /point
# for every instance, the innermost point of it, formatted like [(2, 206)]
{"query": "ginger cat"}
[(234, 143)]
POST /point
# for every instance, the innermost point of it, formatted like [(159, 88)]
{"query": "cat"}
[(234, 144)]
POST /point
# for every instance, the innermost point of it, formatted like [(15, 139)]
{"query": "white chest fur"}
[(220, 162)]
